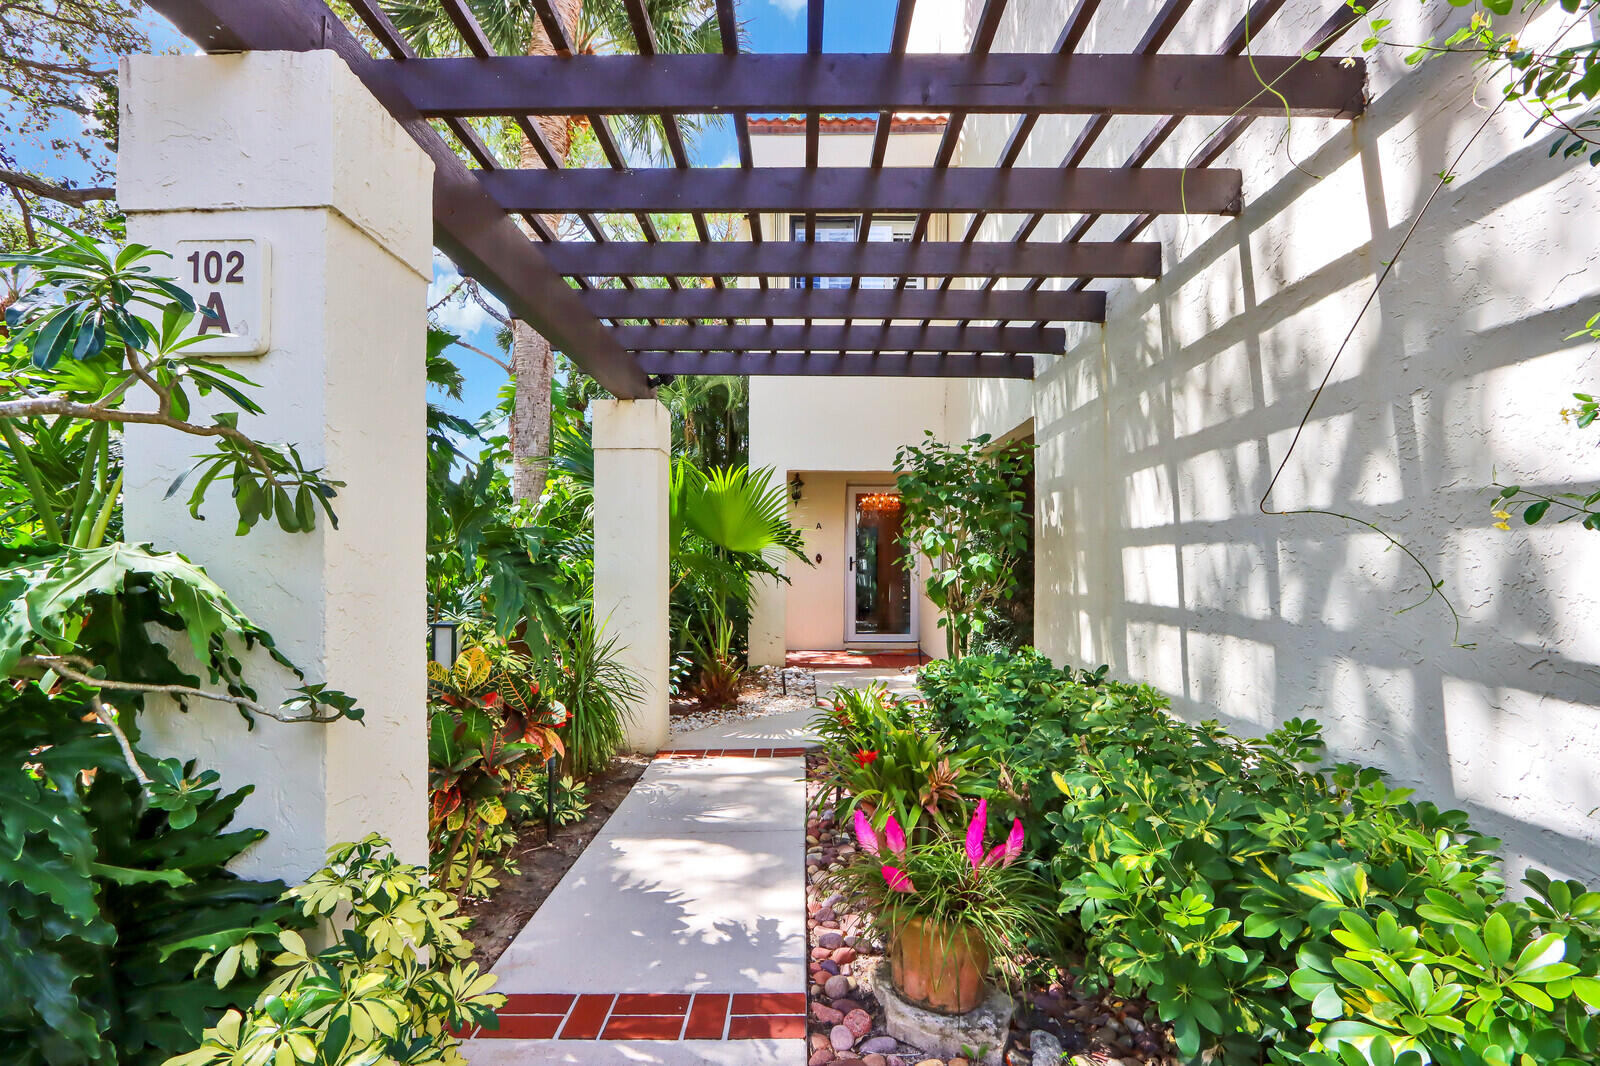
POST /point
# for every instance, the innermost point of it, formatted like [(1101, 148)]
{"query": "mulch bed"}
[(496, 920), (846, 1021)]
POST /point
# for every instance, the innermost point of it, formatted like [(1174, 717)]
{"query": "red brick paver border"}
[(685, 754), (651, 1016)]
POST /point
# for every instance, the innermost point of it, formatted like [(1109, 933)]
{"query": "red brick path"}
[(651, 1016)]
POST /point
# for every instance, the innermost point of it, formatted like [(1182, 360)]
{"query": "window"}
[(843, 231)]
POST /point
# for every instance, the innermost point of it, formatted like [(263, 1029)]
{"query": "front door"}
[(879, 599)]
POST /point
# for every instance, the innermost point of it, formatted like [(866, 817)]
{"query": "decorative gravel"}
[(764, 694)]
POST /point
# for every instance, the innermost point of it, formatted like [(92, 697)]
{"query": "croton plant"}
[(488, 721)]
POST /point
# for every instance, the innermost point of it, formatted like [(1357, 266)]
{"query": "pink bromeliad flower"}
[(1002, 854), (894, 838), (897, 880), (893, 841)]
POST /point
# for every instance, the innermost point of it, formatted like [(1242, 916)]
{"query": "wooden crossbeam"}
[(841, 338), (797, 189), (1014, 83), (825, 364), (984, 259), (1026, 305), (469, 227)]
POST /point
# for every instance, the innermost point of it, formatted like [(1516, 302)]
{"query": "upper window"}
[(843, 231)]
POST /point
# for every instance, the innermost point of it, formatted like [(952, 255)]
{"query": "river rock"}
[(858, 1022), (826, 1014), (837, 987), (1045, 1047), (841, 1038), (880, 1045)]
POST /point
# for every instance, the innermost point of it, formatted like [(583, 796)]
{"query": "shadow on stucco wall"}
[(1160, 431)]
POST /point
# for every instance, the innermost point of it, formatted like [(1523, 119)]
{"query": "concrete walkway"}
[(678, 938)]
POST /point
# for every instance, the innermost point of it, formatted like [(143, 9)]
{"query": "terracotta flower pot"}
[(938, 967)]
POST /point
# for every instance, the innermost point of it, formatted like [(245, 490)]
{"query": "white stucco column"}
[(291, 152), (632, 450)]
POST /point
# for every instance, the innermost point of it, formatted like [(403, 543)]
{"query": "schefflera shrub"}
[(1274, 909)]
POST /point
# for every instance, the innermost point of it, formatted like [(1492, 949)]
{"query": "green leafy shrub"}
[(964, 511), (391, 990), (881, 755), (122, 933), (571, 804), (1272, 907), (1018, 710)]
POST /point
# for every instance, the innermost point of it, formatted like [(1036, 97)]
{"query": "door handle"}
[(851, 565)]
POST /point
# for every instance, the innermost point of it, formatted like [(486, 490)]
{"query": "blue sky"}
[(770, 25)]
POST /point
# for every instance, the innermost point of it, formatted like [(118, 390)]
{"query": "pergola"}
[(560, 287)]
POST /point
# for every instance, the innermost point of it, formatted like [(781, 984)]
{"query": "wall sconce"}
[(795, 485)]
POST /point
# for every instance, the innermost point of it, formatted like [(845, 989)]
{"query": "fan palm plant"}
[(514, 28), (730, 524)]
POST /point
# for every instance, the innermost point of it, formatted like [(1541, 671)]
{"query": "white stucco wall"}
[(1159, 432), (289, 149)]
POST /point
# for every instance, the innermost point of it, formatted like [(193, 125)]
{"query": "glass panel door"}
[(879, 597)]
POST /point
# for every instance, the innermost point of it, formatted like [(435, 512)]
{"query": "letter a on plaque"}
[(229, 280)]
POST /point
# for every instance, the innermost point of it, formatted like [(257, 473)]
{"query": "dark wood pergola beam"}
[(877, 259), (1021, 190), (834, 364), (467, 225), (1018, 83), (710, 337), (1000, 305)]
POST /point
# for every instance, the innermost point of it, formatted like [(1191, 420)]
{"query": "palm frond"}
[(740, 510)]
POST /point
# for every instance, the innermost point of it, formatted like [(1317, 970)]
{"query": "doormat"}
[(825, 660)]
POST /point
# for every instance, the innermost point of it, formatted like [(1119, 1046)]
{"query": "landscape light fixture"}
[(444, 642)]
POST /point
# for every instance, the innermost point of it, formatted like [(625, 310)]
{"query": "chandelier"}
[(878, 502)]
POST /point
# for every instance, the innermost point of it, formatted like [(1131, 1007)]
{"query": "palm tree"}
[(710, 418), (595, 26)]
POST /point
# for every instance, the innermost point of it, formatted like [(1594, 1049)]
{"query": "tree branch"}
[(74, 70), (496, 360), (441, 301), (477, 297), (59, 664), (108, 718), (59, 193), (55, 405)]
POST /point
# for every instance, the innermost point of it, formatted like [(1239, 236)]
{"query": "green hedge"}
[(1272, 908)]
